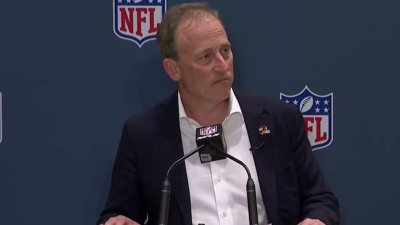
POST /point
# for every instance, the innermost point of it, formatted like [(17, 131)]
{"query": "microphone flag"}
[(212, 137)]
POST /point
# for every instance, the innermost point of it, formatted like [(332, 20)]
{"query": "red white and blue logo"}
[(317, 113), (138, 20)]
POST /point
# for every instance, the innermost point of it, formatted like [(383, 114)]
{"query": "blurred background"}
[(68, 83)]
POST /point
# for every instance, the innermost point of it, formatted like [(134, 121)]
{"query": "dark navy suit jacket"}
[(291, 182)]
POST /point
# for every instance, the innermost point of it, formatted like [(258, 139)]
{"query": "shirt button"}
[(224, 214), (218, 178)]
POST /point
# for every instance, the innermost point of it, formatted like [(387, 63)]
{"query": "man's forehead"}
[(192, 31), (197, 37), (199, 26)]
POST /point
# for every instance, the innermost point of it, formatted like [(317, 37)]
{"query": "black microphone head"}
[(213, 138)]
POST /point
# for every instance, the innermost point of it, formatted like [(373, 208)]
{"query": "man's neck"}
[(206, 113)]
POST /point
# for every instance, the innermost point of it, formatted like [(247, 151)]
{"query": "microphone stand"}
[(166, 189), (250, 188)]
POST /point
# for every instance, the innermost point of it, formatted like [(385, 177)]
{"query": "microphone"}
[(212, 138), (166, 189), (254, 148)]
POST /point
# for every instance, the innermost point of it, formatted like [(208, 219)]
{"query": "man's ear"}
[(172, 69)]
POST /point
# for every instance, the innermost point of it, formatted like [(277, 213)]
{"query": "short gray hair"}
[(166, 35)]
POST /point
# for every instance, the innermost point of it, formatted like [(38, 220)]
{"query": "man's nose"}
[(221, 64)]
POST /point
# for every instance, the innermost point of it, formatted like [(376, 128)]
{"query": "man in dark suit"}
[(268, 135)]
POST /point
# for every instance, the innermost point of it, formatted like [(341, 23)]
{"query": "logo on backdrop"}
[(1, 120), (317, 113), (138, 20)]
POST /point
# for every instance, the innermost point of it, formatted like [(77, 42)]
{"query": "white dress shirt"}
[(218, 189)]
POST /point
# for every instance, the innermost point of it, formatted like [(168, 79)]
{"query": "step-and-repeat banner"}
[(72, 71)]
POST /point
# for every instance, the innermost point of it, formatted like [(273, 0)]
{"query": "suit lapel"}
[(260, 128), (172, 142)]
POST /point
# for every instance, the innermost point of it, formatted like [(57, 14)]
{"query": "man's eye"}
[(225, 51), (206, 56)]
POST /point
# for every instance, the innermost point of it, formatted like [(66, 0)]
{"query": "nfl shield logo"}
[(317, 115), (138, 20), (208, 130)]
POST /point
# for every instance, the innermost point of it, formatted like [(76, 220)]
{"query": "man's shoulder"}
[(265, 103), (258, 99)]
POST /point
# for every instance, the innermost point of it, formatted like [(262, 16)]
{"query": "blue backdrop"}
[(67, 84)]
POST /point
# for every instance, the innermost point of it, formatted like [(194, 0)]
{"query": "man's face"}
[(205, 60)]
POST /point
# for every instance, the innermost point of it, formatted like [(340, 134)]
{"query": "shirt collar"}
[(234, 107)]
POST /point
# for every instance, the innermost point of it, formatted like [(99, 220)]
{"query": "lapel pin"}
[(263, 130)]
